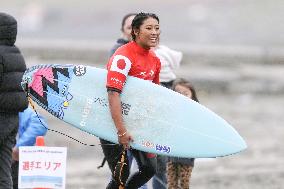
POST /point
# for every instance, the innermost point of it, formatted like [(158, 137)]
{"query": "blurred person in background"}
[(12, 97), (179, 169), (125, 31), (31, 125), (170, 60)]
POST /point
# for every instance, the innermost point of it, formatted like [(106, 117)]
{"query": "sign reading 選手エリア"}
[(42, 167)]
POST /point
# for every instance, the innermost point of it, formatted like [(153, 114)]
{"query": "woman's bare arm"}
[(116, 113)]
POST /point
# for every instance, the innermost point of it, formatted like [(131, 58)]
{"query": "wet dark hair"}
[(125, 18), (139, 19), (187, 84)]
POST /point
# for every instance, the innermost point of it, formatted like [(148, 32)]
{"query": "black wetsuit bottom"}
[(146, 165)]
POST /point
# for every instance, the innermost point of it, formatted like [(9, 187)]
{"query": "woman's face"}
[(148, 34), (126, 30), (184, 91)]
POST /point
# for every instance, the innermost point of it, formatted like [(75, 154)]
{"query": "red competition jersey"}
[(133, 60)]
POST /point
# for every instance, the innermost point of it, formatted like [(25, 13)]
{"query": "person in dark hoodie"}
[(125, 31), (12, 97)]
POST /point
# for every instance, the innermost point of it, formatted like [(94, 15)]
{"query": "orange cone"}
[(39, 141)]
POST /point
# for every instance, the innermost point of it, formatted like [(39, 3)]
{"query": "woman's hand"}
[(124, 139)]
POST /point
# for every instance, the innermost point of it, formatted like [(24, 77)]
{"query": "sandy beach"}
[(256, 115), (260, 166)]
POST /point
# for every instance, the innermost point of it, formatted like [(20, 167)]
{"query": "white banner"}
[(42, 167)]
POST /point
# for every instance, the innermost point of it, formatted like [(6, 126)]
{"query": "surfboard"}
[(160, 120)]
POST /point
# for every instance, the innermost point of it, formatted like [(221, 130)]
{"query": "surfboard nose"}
[(236, 145), (232, 145), (242, 145)]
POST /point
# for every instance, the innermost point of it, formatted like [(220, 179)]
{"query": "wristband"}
[(122, 134)]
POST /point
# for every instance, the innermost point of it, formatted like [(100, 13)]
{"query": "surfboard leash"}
[(68, 136), (119, 168), (120, 164), (33, 107)]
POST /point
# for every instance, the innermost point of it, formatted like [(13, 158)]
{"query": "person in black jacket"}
[(12, 97), (125, 31)]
